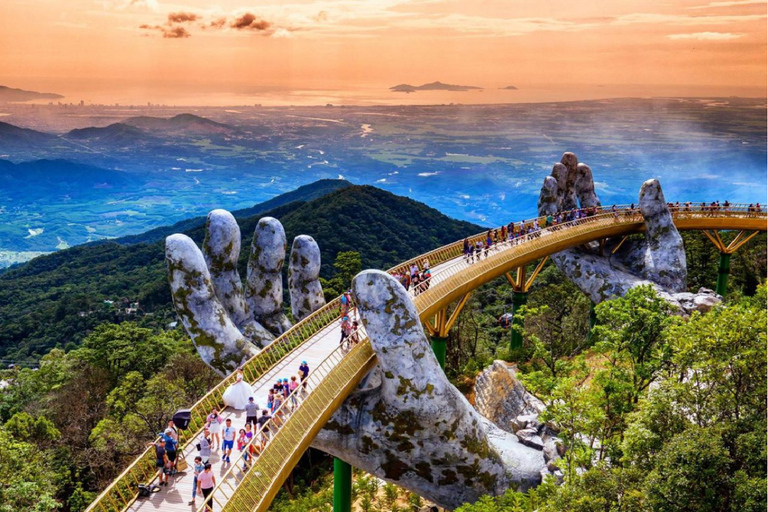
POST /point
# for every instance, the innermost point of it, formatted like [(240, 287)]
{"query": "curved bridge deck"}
[(335, 372)]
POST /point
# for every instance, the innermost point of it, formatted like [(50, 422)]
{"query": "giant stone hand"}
[(227, 322), (658, 259), (407, 424)]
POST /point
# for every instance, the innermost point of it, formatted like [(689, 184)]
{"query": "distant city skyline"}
[(310, 52)]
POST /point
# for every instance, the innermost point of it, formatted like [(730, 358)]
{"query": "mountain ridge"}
[(9, 94)]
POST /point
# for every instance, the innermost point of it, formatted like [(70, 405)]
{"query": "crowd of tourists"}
[(415, 278), (221, 435)]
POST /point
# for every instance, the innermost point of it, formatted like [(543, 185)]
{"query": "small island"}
[(433, 86), (508, 88)]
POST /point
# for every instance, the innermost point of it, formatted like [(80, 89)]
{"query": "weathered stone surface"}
[(218, 340), (659, 260), (530, 437), (502, 398), (553, 450), (264, 284), (208, 294), (410, 426), (303, 277), (221, 249)]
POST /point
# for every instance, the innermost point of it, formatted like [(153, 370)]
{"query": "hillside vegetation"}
[(56, 300)]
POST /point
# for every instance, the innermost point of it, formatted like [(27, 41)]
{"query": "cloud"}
[(218, 23), (706, 36), (249, 21), (732, 3), (177, 32), (124, 4), (182, 17), (282, 33)]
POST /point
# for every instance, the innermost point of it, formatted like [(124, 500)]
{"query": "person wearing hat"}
[(346, 302), (304, 373), (286, 388), (251, 411), (170, 448)]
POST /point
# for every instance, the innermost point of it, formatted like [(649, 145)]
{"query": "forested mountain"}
[(56, 300)]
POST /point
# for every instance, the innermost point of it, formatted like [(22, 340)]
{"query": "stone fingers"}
[(304, 277), (264, 284), (549, 203), (570, 186), (584, 187), (221, 249), (218, 340), (664, 259)]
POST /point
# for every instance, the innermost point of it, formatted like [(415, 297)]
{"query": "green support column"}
[(342, 486), (592, 319), (438, 347), (519, 300), (722, 273)]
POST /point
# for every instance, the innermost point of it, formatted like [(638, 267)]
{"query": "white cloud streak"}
[(706, 36)]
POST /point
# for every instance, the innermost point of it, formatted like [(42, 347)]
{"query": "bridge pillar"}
[(342, 486), (722, 273), (724, 268), (438, 347), (439, 327), (519, 299), (520, 287)]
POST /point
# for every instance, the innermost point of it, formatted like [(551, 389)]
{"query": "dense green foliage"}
[(56, 300), (70, 427), (661, 414)]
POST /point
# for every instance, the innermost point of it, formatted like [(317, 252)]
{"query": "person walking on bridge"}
[(161, 461), (214, 425), (206, 481), (251, 411), (198, 468), (304, 373), (228, 436)]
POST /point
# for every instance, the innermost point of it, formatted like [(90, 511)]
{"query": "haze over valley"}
[(74, 174)]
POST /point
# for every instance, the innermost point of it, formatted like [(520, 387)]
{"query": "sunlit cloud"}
[(124, 4), (684, 20), (282, 33), (733, 3), (706, 36), (177, 32), (182, 17), (250, 21)]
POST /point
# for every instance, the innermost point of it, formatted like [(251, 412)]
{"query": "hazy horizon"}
[(178, 96)]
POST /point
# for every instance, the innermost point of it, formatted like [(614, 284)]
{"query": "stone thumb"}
[(409, 367)]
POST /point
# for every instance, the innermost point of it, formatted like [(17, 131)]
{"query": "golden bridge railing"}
[(124, 489), (278, 456), (122, 492)]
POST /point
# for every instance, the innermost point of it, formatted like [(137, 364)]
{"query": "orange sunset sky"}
[(271, 51)]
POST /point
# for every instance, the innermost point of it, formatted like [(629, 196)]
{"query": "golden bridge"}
[(336, 371)]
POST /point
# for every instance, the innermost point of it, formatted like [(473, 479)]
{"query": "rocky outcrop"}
[(502, 398), (658, 260)]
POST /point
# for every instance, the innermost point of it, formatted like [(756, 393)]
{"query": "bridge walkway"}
[(337, 372)]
